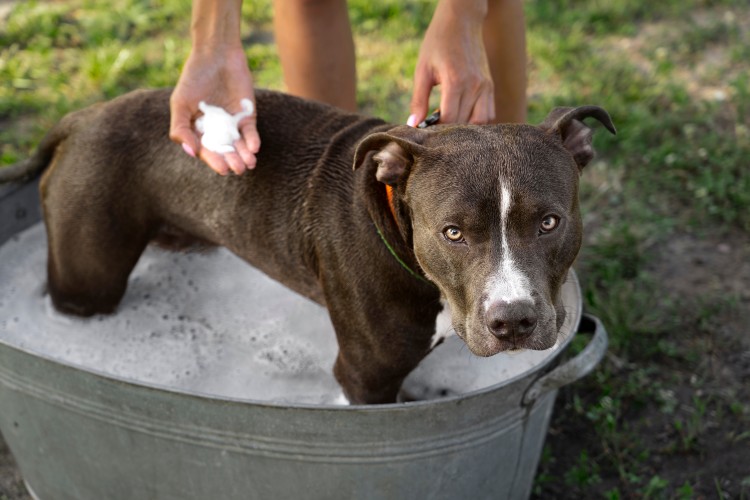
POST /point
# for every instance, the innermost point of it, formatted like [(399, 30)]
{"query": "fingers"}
[(463, 99), (245, 156), (180, 127), (235, 163), (450, 104), (467, 101), (181, 131), (420, 101), (246, 147), (249, 144), (215, 161), (484, 109), (222, 164)]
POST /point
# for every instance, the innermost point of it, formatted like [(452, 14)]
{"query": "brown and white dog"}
[(484, 219)]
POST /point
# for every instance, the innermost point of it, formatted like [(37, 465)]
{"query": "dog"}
[(383, 225)]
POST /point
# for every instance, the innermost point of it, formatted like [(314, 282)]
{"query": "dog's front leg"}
[(380, 343), (368, 375)]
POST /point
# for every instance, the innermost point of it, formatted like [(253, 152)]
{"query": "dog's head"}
[(492, 215)]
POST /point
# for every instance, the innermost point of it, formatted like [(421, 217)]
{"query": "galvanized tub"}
[(81, 434)]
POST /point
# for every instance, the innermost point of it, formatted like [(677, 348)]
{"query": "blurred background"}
[(666, 203)]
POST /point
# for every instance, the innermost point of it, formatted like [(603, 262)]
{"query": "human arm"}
[(475, 50), (216, 72)]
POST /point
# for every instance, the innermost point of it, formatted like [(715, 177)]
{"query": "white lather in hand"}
[(219, 128)]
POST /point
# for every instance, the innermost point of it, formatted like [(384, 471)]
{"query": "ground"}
[(681, 430), (11, 484), (666, 259)]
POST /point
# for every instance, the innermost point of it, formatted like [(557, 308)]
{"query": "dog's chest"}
[(443, 325)]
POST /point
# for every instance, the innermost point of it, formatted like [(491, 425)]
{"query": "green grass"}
[(674, 75)]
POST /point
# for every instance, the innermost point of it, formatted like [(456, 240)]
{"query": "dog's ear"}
[(393, 152), (575, 135)]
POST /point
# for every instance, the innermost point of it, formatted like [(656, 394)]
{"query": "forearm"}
[(215, 72), (470, 13), (216, 23)]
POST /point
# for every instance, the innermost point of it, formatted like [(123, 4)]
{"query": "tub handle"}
[(575, 368)]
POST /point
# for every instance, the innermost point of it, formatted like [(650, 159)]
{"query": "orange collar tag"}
[(389, 195)]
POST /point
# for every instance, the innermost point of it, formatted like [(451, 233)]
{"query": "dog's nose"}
[(511, 320)]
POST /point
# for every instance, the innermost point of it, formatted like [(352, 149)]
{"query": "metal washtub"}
[(80, 434)]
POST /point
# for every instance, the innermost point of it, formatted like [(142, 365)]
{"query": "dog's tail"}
[(30, 168)]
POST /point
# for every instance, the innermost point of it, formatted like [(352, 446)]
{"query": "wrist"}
[(473, 11), (216, 51), (215, 25)]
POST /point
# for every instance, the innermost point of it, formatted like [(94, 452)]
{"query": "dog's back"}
[(114, 181)]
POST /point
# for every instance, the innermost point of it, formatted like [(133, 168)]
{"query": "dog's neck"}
[(392, 208)]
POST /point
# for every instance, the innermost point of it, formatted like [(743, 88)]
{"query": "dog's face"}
[(495, 221), (496, 226)]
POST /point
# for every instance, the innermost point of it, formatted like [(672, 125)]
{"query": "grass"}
[(674, 75)]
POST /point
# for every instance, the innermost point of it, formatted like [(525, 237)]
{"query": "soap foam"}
[(212, 324)]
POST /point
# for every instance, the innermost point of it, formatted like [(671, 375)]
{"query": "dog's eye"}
[(549, 223), (454, 234)]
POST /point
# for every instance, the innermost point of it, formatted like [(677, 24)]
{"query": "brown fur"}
[(115, 182)]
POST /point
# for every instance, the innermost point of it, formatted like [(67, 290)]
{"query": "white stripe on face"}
[(507, 284)]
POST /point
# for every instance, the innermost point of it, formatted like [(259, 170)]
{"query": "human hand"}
[(453, 56), (220, 80)]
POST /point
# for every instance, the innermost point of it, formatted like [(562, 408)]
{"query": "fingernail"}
[(186, 147), (412, 121)]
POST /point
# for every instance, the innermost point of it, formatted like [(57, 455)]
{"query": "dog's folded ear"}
[(575, 135), (394, 152)]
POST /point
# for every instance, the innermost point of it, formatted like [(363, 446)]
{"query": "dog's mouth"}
[(481, 342), (489, 346)]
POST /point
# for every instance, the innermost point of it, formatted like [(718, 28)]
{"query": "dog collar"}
[(389, 195), (430, 120)]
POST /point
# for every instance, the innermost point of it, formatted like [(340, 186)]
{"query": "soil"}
[(713, 456), (11, 484)]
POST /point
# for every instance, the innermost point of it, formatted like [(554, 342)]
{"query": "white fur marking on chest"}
[(508, 283), (341, 400), (443, 325)]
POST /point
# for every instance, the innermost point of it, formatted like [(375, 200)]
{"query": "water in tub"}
[(212, 324)]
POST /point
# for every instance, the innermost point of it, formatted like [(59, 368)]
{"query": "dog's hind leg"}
[(90, 277), (89, 261)]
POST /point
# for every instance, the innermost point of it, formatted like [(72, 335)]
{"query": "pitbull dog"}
[(483, 219)]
